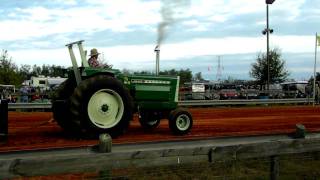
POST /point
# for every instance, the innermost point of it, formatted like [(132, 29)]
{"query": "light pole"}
[(268, 31)]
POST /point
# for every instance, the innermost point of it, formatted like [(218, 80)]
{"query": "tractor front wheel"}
[(180, 121)]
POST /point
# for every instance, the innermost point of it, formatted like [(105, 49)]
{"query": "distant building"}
[(42, 82)]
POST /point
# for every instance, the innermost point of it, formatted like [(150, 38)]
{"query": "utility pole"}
[(314, 71), (268, 62)]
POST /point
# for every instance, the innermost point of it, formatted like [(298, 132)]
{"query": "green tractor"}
[(103, 100)]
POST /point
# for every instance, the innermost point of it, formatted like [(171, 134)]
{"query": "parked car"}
[(250, 94), (228, 94)]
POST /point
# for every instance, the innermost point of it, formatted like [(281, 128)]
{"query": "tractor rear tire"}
[(60, 106), (101, 104), (149, 120), (180, 121), (65, 90)]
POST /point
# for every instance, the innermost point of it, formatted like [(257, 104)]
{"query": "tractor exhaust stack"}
[(157, 50)]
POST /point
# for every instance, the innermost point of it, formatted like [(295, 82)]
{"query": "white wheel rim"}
[(183, 122), (105, 108)]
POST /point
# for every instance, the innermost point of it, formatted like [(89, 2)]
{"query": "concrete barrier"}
[(154, 154)]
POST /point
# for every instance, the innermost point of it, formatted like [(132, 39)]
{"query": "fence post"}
[(274, 167), (105, 143), (300, 131), (3, 121), (105, 146)]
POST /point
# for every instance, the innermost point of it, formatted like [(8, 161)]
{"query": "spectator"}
[(24, 94)]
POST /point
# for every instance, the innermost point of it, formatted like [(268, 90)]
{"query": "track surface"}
[(36, 130)]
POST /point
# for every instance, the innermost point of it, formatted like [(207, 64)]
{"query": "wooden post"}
[(274, 167), (105, 143), (3, 121), (300, 131)]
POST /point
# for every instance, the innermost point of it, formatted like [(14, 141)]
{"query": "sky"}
[(192, 34)]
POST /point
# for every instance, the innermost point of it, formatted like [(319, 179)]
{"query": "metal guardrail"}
[(29, 105), (243, 102), (188, 103)]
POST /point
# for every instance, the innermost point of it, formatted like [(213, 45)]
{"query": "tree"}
[(8, 70), (198, 77), (142, 72), (25, 71), (36, 70), (185, 74), (45, 70), (259, 69), (171, 72), (57, 71), (317, 78), (126, 71)]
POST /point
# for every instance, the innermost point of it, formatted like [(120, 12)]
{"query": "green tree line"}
[(11, 74)]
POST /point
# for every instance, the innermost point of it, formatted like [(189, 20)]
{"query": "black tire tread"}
[(146, 116), (172, 121), (62, 114)]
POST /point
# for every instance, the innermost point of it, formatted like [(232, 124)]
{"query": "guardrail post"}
[(105, 143), (3, 120), (274, 167), (300, 131)]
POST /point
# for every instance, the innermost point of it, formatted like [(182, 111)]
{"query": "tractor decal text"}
[(147, 81)]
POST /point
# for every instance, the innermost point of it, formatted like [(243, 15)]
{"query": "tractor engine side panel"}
[(153, 92)]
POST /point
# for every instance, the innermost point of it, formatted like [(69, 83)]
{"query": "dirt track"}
[(35, 130)]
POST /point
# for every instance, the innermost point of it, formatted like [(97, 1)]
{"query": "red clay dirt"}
[(36, 130)]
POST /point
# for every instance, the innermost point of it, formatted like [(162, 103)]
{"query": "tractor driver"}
[(93, 60)]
